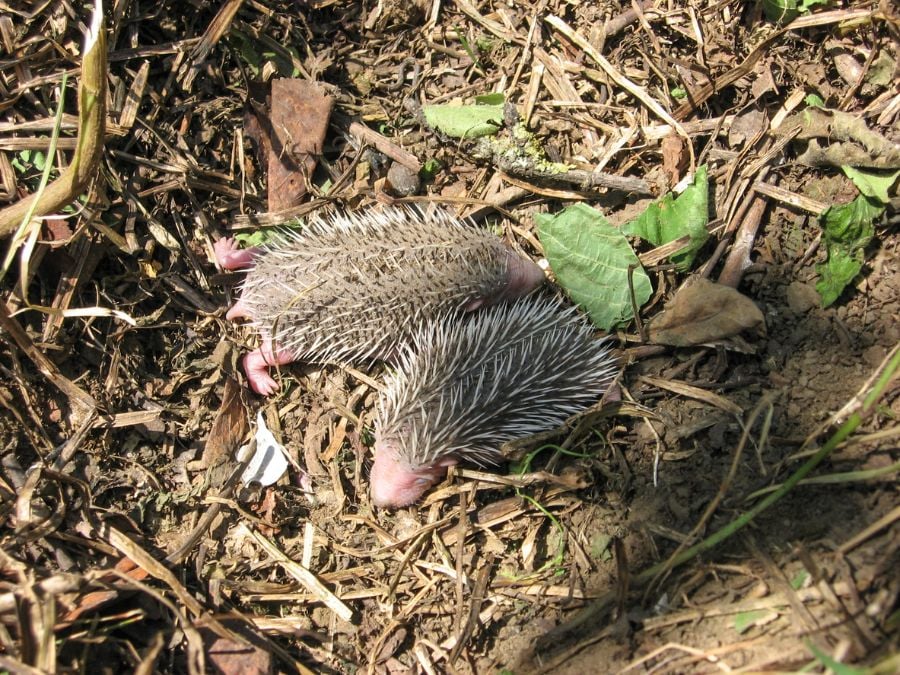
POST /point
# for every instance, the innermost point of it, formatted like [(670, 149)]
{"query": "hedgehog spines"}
[(464, 386)]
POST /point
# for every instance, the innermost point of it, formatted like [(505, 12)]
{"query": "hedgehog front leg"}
[(230, 257), (258, 362)]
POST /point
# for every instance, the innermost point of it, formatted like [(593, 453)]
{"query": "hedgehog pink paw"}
[(257, 364), (239, 311), (230, 257)]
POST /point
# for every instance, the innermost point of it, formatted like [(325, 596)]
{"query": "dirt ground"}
[(126, 543)]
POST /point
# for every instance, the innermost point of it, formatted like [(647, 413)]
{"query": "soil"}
[(125, 542)]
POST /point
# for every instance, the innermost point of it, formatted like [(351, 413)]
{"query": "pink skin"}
[(524, 277), (230, 257), (394, 483), (258, 362)]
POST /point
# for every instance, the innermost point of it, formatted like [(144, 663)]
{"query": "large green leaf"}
[(871, 183), (465, 121), (673, 217), (590, 259), (848, 228)]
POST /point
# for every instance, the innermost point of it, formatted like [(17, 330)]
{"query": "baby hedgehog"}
[(464, 386), (353, 287)]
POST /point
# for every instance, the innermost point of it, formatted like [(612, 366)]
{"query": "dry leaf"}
[(673, 155), (232, 657), (299, 117), (703, 311), (229, 427)]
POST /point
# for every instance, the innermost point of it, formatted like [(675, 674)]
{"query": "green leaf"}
[(744, 621), (835, 275), (497, 98), (40, 160), (881, 72), (464, 121), (814, 101), (590, 258), (247, 51), (874, 184), (430, 168), (601, 547), (807, 5), (673, 217), (780, 11), (464, 41), (848, 228), (262, 236), (799, 579), (836, 666)]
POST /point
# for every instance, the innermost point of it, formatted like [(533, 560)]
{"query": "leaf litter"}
[(127, 539)]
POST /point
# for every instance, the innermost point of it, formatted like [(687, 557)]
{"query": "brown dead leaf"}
[(231, 657), (57, 229), (265, 509), (96, 599), (746, 126), (256, 122), (673, 155), (299, 118), (764, 82), (229, 427), (703, 311)]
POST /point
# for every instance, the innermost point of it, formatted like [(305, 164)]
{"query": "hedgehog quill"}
[(353, 287), (464, 386)]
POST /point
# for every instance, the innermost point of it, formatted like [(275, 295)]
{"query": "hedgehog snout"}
[(395, 483), (524, 275)]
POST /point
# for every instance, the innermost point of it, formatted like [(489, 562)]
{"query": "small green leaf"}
[(485, 44), (430, 168), (673, 217), (848, 228), (881, 73), (591, 258), (874, 184), (247, 51), (814, 101), (808, 5), (836, 666), (780, 11), (799, 579), (465, 121), (835, 275), (464, 41), (496, 98), (744, 621), (259, 237)]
